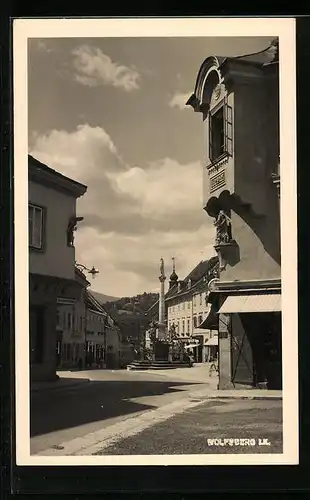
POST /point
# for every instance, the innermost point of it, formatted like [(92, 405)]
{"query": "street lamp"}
[(93, 271)]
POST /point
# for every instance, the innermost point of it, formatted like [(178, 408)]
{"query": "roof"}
[(42, 174), (212, 70), (92, 303), (266, 56), (81, 276), (196, 277)]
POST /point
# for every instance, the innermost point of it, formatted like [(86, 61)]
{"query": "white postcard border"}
[(284, 29)]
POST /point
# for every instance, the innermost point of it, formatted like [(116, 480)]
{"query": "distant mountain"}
[(137, 305), (103, 299)]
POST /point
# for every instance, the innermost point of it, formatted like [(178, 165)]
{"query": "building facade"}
[(115, 352), (238, 99), (52, 221), (188, 311), (71, 327), (103, 344)]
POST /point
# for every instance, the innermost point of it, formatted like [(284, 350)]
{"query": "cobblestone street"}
[(191, 431)]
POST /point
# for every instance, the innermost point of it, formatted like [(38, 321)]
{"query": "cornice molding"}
[(217, 286), (44, 175)]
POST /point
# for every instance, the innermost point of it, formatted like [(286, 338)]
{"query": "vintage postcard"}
[(155, 241)]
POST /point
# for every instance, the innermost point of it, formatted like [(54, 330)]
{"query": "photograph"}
[(155, 241)]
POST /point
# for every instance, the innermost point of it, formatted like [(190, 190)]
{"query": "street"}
[(121, 413), (111, 396), (209, 428)]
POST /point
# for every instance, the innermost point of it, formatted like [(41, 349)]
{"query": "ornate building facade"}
[(238, 99)]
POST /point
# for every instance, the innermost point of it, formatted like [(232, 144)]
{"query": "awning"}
[(212, 341), (190, 346), (265, 302), (211, 321)]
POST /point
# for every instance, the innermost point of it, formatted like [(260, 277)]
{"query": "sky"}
[(110, 113)]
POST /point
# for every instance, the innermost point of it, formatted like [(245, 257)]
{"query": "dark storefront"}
[(258, 356), (250, 339)]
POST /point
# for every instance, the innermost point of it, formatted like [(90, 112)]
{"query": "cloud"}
[(133, 215), (40, 45), (94, 68), (179, 100)]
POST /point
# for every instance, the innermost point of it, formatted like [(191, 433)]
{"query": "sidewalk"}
[(199, 372), (253, 394)]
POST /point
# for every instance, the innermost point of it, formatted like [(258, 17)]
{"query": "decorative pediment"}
[(208, 79)]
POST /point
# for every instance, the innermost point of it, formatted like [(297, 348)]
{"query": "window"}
[(35, 226), (57, 317), (69, 352), (200, 319), (220, 132), (188, 305), (183, 326), (195, 321), (188, 327), (183, 305), (58, 347), (217, 136), (69, 323), (201, 299)]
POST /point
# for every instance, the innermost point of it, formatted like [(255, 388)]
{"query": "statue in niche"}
[(222, 224), (72, 226)]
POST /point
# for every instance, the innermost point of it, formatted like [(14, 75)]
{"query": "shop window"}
[(37, 333)]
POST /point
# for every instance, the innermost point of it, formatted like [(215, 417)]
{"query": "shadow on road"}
[(98, 400)]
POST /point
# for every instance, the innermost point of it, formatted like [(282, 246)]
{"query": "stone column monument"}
[(161, 332)]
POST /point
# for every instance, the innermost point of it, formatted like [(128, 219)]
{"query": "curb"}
[(265, 398), (59, 388)]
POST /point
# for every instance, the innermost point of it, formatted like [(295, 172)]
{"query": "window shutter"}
[(210, 137), (228, 117)]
